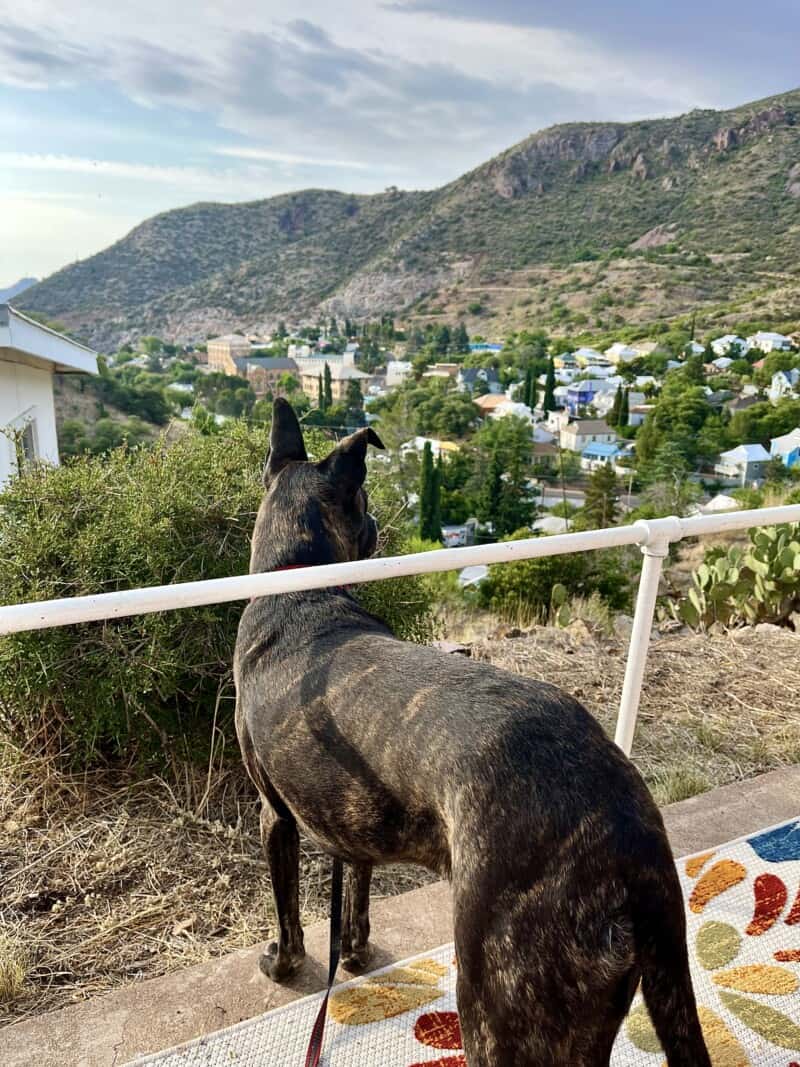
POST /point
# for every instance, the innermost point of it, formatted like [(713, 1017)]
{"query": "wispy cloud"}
[(270, 155)]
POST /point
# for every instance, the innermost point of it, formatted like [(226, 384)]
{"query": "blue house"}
[(484, 346), (582, 393), (787, 448), (599, 454)]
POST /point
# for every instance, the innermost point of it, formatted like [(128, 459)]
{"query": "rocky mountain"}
[(16, 289), (702, 210)]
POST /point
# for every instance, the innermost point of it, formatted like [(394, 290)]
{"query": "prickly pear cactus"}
[(560, 611), (760, 583)]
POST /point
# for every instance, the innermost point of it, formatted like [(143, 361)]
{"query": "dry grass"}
[(714, 709), (13, 967), (105, 880)]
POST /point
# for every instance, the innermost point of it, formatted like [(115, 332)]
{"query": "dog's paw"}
[(356, 960), (279, 966)]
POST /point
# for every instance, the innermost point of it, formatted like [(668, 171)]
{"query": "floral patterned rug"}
[(743, 911)]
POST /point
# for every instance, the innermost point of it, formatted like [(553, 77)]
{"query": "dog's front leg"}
[(282, 847), (355, 920)]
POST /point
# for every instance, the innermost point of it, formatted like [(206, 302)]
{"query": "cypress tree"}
[(549, 402), (426, 493), (530, 395), (328, 388), (613, 418), (435, 532), (625, 409)]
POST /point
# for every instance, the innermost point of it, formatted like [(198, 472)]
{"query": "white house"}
[(438, 448), (693, 349), (575, 436), (767, 341), (745, 464), (29, 355), (512, 407), (719, 365), (784, 385), (586, 357), (397, 370), (621, 353), (729, 344)]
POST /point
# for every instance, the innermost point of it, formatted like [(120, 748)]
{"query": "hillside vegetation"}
[(648, 220)]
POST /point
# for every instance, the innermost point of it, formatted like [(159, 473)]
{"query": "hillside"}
[(16, 289), (507, 243)]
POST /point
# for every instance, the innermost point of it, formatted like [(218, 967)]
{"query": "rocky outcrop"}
[(761, 122), (662, 234), (639, 166), (525, 168), (793, 184)]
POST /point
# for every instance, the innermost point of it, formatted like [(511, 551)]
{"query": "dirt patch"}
[(106, 880)]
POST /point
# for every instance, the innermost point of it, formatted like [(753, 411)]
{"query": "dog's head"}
[(312, 513)]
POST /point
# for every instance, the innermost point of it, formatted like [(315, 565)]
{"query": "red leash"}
[(314, 1053), (318, 1032)]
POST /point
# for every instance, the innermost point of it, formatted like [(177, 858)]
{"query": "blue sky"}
[(110, 113)]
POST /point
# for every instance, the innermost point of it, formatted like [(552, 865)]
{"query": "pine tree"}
[(328, 388), (320, 394), (461, 339), (601, 503), (549, 402), (354, 400), (490, 501), (443, 340)]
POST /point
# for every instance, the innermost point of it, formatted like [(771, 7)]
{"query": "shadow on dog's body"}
[(565, 893)]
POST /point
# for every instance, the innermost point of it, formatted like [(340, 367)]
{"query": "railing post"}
[(654, 556)]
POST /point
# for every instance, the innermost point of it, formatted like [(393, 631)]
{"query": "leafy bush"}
[(757, 584), (523, 591), (150, 684)]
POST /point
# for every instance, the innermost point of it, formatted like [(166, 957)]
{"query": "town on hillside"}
[(485, 438)]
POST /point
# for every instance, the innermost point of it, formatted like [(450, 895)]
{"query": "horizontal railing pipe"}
[(68, 611)]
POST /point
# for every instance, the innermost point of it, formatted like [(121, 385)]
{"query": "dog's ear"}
[(286, 443), (346, 465)]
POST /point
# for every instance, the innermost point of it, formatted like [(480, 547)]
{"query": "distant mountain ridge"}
[(724, 183), (16, 289)]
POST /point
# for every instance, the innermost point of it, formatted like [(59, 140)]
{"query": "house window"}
[(28, 443)]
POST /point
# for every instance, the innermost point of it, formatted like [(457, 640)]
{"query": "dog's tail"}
[(659, 925)]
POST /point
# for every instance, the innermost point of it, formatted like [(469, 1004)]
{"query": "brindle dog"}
[(564, 888)]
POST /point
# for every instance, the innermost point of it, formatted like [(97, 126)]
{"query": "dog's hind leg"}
[(282, 847), (355, 919)]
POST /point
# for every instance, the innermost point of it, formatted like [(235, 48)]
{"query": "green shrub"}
[(147, 685), (523, 591)]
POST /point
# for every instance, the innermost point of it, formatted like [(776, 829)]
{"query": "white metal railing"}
[(654, 537)]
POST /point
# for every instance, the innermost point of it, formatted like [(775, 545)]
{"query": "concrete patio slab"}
[(156, 1014)]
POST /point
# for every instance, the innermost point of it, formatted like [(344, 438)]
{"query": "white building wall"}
[(26, 396)]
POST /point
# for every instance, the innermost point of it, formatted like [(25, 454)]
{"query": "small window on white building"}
[(28, 443)]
